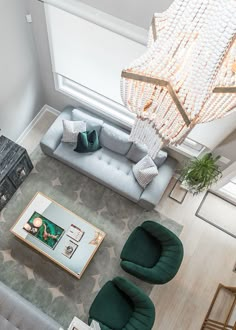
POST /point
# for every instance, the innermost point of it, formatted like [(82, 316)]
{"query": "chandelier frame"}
[(171, 89), (159, 82)]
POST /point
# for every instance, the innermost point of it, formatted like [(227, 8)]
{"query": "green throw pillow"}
[(87, 142)]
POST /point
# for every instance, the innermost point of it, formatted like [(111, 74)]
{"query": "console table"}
[(15, 165)]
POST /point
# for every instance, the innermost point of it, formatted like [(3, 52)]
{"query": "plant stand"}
[(178, 192)]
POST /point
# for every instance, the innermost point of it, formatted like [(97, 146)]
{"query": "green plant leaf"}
[(200, 174)]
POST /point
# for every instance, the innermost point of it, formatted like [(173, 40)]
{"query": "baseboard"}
[(51, 109), (31, 125)]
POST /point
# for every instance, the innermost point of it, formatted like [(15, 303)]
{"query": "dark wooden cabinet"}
[(15, 165)]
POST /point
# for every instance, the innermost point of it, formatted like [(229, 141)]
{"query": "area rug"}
[(39, 280)]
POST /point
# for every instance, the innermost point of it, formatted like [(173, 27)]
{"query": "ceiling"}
[(137, 12)]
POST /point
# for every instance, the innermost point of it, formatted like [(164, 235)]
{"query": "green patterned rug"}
[(47, 286)]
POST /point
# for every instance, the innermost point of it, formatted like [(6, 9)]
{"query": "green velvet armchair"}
[(121, 305), (152, 253)]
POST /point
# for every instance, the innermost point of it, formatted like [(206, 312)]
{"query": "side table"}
[(178, 192), (15, 165)]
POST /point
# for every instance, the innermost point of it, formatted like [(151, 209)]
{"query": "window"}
[(230, 188), (104, 106), (87, 60)]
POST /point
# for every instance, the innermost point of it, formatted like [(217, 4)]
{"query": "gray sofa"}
[(16, 313), (112, 164)]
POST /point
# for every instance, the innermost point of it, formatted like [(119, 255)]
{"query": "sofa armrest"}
[(52, 138), (155, 190)]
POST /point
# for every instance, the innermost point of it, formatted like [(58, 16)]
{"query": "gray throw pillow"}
[(92, 123), (145, 171), (139, 151), (114, 139)]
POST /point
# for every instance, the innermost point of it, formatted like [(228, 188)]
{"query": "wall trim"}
[(96, 103), (45, 108)]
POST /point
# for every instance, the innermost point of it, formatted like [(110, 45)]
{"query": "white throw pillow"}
[(145, 171), (71, 129)]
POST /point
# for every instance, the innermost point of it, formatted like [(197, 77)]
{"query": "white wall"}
[(21, 95), (52, 97), (227, 149)]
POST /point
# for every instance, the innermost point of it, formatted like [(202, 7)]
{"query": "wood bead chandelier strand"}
[(187, 75)]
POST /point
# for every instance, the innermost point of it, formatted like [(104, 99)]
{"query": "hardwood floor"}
[(209, 258)]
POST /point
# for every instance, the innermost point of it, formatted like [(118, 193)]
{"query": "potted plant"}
[(200, 173)]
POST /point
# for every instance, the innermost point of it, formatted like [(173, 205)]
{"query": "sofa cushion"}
[(104, 166), (115, 139), (139, 151), (16, 313), (160, 158), (141, 248), (91, 121), (112, 307)]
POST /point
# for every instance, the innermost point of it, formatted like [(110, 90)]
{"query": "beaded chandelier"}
[(187, 75)]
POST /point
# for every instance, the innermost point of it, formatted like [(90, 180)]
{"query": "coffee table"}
[(60, 235)]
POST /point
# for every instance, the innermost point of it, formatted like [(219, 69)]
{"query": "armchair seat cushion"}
[(121, 305), (111, 299), (141, 248)]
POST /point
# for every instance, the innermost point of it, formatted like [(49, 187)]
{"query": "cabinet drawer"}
[(7, 189), (20, 171)]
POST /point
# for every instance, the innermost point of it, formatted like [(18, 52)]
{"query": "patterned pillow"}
[(145, 171), (71, 129)]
